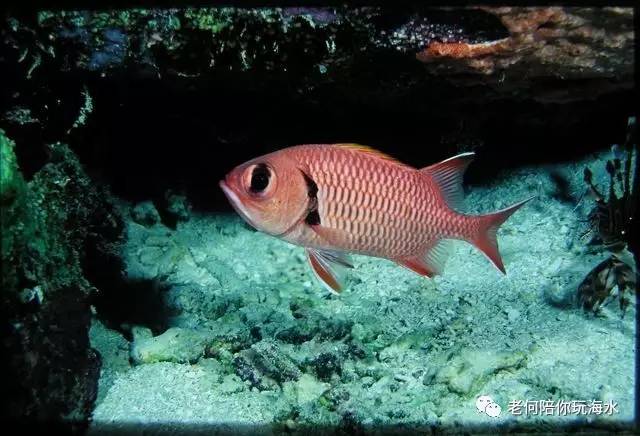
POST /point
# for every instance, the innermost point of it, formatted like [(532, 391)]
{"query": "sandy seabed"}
[(257, 345)]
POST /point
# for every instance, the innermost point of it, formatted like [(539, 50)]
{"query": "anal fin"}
[(329, 267), (431, 262), (416, 265)]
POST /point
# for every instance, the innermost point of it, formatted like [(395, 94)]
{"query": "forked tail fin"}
[(485, 239)]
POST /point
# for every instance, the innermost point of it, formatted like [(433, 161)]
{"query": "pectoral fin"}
[(329, 267), (330, 235)]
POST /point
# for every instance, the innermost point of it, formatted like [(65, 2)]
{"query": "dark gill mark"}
[(313, 217)]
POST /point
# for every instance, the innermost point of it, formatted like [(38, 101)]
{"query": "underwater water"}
[(140, 299), (254, 339)]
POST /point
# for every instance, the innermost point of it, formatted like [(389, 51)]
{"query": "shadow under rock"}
[(134, 302)]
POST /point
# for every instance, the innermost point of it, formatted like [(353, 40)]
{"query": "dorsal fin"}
[(369, 150), (448, 176)]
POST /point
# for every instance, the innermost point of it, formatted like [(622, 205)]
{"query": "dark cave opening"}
[(148, 136), (145, 136)]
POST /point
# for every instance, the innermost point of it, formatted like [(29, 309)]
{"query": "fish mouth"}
[(236, 203)]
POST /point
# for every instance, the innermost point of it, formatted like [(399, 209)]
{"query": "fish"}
[(341, 199)]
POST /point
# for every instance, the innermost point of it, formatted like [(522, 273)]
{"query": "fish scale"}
[(345, 198), (343, 212)]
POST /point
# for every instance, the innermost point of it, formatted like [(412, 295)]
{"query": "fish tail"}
[(485, 237)]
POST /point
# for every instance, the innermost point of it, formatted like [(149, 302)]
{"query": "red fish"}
[(336, 199)]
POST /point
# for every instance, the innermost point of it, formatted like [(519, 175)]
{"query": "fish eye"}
[(260, 176)]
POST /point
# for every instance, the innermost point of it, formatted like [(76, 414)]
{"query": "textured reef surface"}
[(53, 225), (244, 338), (535, 46)]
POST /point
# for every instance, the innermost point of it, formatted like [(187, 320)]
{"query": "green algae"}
[(13, 220), (213, 20)]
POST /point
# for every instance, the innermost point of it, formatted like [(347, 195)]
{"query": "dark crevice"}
[(133, 303)]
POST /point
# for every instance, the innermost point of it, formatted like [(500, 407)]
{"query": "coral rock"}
[(548, 43), (145, 214), (175, 345), (466, 373)]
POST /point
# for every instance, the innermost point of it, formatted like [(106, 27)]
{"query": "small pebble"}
[(512, 314)]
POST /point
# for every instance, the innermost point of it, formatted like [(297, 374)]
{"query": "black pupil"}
[(260, 178)]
